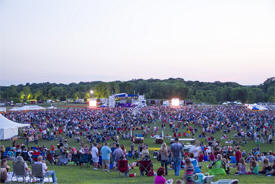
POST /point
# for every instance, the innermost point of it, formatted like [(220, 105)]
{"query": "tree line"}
[(207, 92)]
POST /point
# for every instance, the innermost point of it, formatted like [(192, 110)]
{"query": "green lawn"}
[(85, 175), (72, 174)]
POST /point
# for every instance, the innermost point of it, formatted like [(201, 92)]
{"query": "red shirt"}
[(238, 155)]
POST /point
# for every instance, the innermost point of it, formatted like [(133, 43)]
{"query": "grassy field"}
[(86, 174)]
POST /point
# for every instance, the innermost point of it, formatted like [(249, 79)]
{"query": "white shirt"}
[(94, 152), (195, 150)]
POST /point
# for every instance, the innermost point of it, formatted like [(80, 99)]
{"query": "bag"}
[(132, 175), (151, 173)]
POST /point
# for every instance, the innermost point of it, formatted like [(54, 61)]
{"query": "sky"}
[(66, 41)]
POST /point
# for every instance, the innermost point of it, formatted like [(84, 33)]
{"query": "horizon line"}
[(77, 82)]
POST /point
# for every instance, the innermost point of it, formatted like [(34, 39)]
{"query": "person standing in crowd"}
[(269, 139), (117, 154), (106, 156), (95, 156), (164, 157), (132, 148), (196, 149), (238, 154), (176, 151), (124, 150), (113, 148)]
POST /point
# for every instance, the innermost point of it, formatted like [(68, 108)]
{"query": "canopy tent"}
[(8, 128), (52, 107), (27, 108), (256, 107)]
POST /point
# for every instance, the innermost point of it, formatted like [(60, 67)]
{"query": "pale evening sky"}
[(67, 41)]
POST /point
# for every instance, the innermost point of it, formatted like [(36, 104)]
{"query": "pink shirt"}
[(160, 180)]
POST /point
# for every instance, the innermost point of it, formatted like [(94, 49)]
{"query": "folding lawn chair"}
[(37, 172), (19, 171), (84, 159), (123, 167), (62, 160), (145, 166), (76, 158)]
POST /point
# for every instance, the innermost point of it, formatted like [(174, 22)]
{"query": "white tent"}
[(28, 108), (3, 109), (256, 107), (52, 107), (8, 128)]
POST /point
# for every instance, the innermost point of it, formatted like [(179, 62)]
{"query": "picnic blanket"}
[(28, 179)]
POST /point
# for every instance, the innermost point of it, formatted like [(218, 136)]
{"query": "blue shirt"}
[(106, 152), (176, 149)]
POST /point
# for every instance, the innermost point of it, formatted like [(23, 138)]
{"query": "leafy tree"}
[(215, 92), (87, 96), (102, 90)]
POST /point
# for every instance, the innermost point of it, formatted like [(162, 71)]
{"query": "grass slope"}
[(85, 175)]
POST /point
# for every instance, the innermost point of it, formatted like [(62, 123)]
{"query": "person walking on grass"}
[(106, 156), (176, 151)]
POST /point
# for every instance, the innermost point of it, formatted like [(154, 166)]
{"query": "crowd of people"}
[(94, 129)]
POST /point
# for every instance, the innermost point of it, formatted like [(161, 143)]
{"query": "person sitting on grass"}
[(159, 179), (4, 164), (241, 168), (225, 165), (3, 175), (145, 152), (254, 169), (188, 171), (195, 163), (266, 167), (217, 168), (272, 172), (4, 171)]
